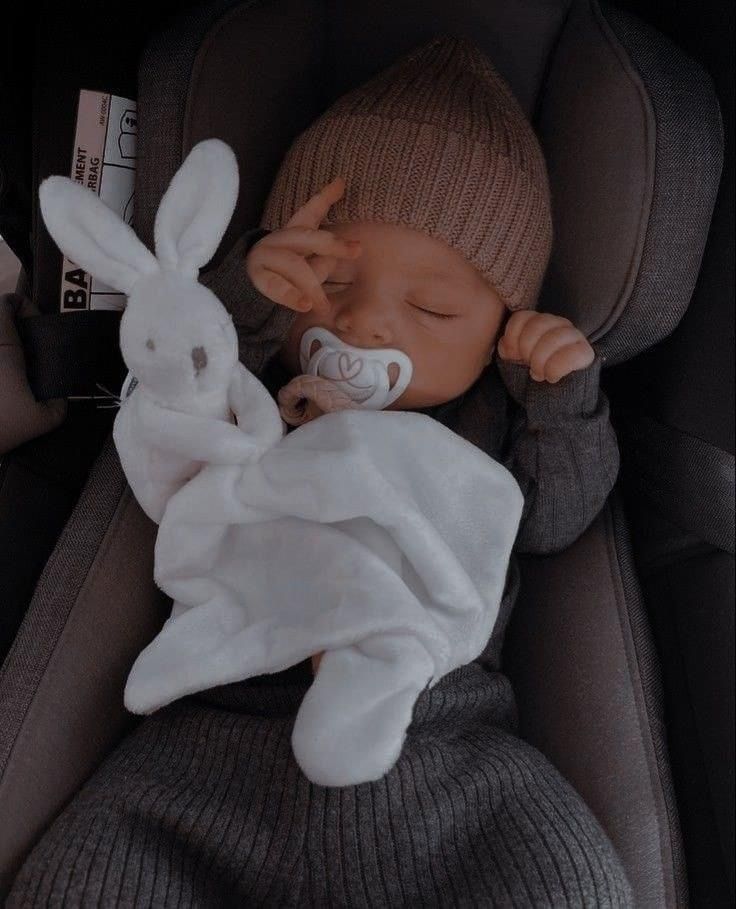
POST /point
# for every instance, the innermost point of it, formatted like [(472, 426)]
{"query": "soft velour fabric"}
[(255, 74), (381, 538)]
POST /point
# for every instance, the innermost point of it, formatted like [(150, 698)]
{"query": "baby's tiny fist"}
[(551, 346)]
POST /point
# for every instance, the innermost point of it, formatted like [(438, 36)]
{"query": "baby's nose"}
[(199, 359), (364, 325)]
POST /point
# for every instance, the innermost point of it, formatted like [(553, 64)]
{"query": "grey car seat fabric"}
[(631, 226), (602, 665)]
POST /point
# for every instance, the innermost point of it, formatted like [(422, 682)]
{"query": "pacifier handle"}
[(307, 397)]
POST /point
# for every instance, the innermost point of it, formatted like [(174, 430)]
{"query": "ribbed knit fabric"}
[(436, 142), (204, 806)]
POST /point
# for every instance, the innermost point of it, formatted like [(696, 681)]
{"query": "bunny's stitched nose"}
[(199, 358)]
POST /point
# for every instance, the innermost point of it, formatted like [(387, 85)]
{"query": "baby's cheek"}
[(445, 371), (432, 382)]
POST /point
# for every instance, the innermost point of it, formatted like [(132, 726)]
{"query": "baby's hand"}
[(549, 345), (279, 264)]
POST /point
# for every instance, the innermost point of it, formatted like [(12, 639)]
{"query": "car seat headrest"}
[(634, 144), (630, 127)]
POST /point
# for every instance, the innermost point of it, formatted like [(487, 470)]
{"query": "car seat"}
[(632, 133)]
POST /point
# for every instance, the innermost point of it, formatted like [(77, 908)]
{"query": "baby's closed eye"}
[(435, 312)]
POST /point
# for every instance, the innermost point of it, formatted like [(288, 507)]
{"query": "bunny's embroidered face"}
[(184, 352)]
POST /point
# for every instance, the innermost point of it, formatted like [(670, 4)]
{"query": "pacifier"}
[(361, 373)]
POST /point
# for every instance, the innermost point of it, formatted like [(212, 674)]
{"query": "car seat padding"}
[(586, 683), (95, 607)]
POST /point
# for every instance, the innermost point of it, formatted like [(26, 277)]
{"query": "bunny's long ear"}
[(92, 235), (197, 207)]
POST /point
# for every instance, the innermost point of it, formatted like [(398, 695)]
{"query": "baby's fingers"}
[(307, 241), (281, 291), (286, 278), (508, 345), (322, 266), (571, 358), (315, 209), (534, 329), (552, 340)]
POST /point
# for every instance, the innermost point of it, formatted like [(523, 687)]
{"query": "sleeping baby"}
[(387, 303), (399, 259)]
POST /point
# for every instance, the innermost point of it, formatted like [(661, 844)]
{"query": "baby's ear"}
[(197, 207)]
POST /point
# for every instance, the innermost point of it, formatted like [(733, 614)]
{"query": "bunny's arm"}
[(261, 324), (193, 437), (160, 449), (255, 410)]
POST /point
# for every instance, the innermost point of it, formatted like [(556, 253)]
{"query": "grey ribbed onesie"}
[(204, 805)]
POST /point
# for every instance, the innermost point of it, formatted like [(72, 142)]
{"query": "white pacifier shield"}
[(362, 373)]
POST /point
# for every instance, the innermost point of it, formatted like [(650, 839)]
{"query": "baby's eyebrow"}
[(430, 271)]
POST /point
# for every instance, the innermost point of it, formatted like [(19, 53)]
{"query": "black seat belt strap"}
[(72, 355)]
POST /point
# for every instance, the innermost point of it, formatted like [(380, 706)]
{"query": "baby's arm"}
[(561, 449), (261, 323)]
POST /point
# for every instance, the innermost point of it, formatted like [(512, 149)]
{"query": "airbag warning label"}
[(104, 161)]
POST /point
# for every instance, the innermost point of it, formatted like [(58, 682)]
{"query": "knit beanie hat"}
[(436, 142)]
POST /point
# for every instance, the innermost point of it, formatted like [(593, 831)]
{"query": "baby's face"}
[(409, 291)]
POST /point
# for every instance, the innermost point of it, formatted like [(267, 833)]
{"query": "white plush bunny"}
[(176, 337), (379, 537)]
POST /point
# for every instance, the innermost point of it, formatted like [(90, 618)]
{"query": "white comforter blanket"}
[(382, 538)]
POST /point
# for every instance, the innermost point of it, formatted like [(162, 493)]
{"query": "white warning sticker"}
[(103, 161)]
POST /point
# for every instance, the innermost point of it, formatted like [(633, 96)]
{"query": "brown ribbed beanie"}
[(436, 142)]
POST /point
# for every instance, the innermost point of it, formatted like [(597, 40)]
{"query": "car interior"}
[(621, 647)]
